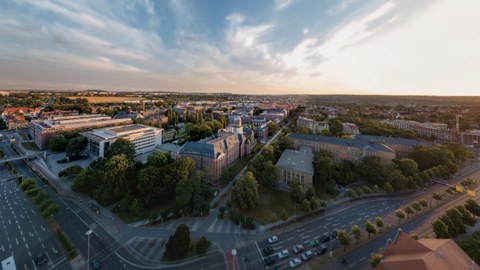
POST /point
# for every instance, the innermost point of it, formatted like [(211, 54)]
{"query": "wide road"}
[(23, 231)]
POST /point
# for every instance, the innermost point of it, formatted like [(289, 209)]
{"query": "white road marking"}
[(299, 230), (362, 259), (16, 240), (43, 229), (291, 238), (54, 250), (351, 265)]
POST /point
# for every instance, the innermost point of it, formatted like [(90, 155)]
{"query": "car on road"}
[(282, 254), (313, 243), (41, 259), (294, 262), (325, 237), (269, 260), (307, 255), (272, 239), (298, 248), (334, 233), (95, 264), (321, 249), (267, 250)]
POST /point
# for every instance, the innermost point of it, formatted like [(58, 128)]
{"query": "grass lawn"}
[(257, 146), (238, 165), (30, 146), (270, 204), (129, 217)]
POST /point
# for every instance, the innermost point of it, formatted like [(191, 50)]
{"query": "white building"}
[(351, 129), (144, 138)]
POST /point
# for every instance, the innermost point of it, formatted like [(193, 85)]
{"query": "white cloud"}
[(344, 4), (282, 4), (305, 31)]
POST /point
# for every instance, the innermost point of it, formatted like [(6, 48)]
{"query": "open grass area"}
[(270, 204), (107, 99), (238, 165), (30, 146)]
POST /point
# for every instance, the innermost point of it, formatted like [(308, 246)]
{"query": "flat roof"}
[(301, 160), (129, 128)]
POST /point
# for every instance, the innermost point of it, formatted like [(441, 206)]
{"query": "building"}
[(344, 149), (144, 138), (350, 129), (42, 130), (315, 126), (57, 113), (296, 164), (23, 111), (15, 122), (277, 117), (438, 131), (471, 139), (401, 146), (261, 132), (404, 252)]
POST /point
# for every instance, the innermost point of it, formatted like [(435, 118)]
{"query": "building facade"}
[(351, 129), (438, 131), (315, 126), (144, 138), (296, 164), (42, 130)]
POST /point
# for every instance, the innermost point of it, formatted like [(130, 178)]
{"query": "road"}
[(24, 232)]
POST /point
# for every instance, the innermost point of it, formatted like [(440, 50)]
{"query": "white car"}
[(272, 239), (298, 248), (307, 255), (282, 254), (295, 262)]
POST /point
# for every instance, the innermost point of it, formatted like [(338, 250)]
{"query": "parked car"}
[(294, 262), (269, 260), (307, 255), (325, 237), (95, 264), (313, 243), (267, 250), (282, 254), (334, 233), (41, 259), (272, 239), (298, 248), (321, 249)]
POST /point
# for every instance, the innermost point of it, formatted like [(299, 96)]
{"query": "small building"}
[(296, 164), (144, 138), (351, 129), (315, 126), (404, 252), (15, 122)]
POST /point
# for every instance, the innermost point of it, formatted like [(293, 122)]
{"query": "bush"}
[(202, 245), (66, 244), (70, 171)]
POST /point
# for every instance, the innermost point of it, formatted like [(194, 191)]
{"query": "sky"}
[(393, 47)]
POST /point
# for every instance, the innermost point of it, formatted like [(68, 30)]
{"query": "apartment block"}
[(315, 126)]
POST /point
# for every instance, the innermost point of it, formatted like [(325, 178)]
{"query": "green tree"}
[(336, 127), (457, 226), (467, 217), (388, 188), (159, 159), (70, 171), (356, 231), (296, 191), (27, 184), (58, 143), (408, 166), (202, 245), (344, 238), (409, 211), (284, 214), (370, 228), (438, 197), (178, 244), (423, 203), (305, 206), (416, 206), (471, 246), (245, 192), (310, 194), (351, 193), (121, 146), (379, 222), (473, 207), (313, 203), (376, 189), (440, 229), (183, 191), (400, 214), (75, 147), (376, 259)]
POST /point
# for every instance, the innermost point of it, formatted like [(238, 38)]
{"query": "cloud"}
[(344, 4), (305, 31), (282, 4)]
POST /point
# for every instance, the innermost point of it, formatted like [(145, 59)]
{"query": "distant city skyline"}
[(389, 47)]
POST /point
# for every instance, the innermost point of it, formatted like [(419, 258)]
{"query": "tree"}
[(417, 206), (408, 166), (202, 245), (473, 207), (121, 146), (159, 159), (336, 127), (310, 194), (284, 214), (457, 226), (370, 228), (423, 203), (178, 244), (388, 188), (357, 232), (344, 238), (70, 171), (409, 211), (467, 217), (58, 143), (351, 193), (313, 203), (75, 146), (437, 197), (27, 184), (376, 259), (379, 222), (245, 192), (183, 191), (296, 191), (305, 206), (440, 229), (471, 246), (268, 176), (400, 214)]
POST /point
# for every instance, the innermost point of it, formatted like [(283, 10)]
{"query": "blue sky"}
[(260, 47)]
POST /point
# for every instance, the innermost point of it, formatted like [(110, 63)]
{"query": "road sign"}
[(472, 193), (458, 189)]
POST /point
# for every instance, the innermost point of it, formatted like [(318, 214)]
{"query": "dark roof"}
[(198, 148), (390, 140), (300, 160), (359, 143)]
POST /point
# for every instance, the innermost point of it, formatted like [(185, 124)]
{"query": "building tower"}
[(236, 125)]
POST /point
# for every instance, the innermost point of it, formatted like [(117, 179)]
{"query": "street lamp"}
[(88, 233), (234, 254), (329, 241)]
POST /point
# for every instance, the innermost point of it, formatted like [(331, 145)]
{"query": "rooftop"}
[(300, 160)]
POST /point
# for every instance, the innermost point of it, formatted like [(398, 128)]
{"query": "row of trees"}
[(45, 205), (415, 207), (72, 143), (455, 220), (180, 245), (370, 228)]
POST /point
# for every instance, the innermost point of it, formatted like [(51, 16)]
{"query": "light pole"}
[(88, 233), (329, 241), (234, 254)]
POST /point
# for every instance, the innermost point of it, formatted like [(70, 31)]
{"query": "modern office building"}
[(344, 149), (42, 130), (144, 138), (315, 126), (296, 164)]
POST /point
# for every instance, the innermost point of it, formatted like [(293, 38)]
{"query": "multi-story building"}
[(144, 138), (471, 139), (277, 117), (344, 149), (261, 132), (401, 146), (438, 131), (42, 130), (296, 164), (351, 129), (211, 155), (315, 126)]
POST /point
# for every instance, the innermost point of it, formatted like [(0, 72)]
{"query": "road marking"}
[(350, 222), (291, 238), (2, 248), (362, 259), (343, 226), (21, 233), (43, 246), (214, 265), (31, 234), (9, 222), (299, 230), (54, 250), (351, 265), (306, 236), (24, 239), (43, 229), (26, 245), (16, 240), (29, 253)]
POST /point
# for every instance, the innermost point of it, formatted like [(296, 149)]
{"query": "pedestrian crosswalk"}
[(210, 225)]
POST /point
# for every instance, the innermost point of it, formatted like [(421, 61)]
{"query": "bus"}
[(9, 264)]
